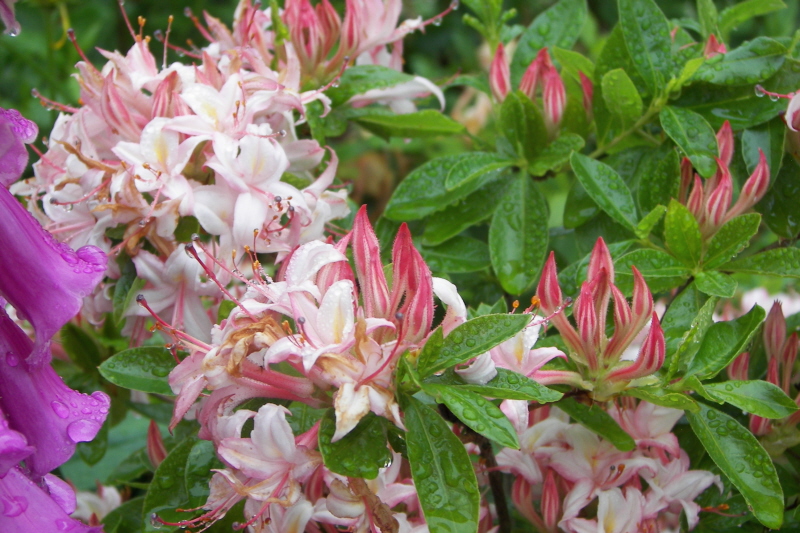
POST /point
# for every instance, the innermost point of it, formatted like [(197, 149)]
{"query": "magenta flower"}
[(15, 132)]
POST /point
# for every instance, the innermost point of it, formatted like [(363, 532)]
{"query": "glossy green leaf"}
[(768, 137), (518, 235), (472, 166), (81, 347), (472, 210), (646, 33), (660, 270), (144, 369), (779, 205), (723, 342), (731, 239), (426, 123), (757, 397), (362, 78), (621, 97), (659, 396), (579, 207), (303, 417), (431, 351), (615, 54), (556, 154), (693, 337), (459, 254), (682, 234), (92, 452), (201, 460), (470, 339), (167, 492), (744, 11), (606, 188), (127, 518), (715, 284), (752, 62), (423, 190), (125, 290), (708, 15), (508, 385), (658, 177), (360, 453), (572, 63), (476, 412), (693, 135), (560, 25), (441, 470), (776, 262), (739, 105), (743, 460), (679, 316), (522, 124), (597, 420), (649, 221)]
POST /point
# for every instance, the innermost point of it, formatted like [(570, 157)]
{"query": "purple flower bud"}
[(15, 132)]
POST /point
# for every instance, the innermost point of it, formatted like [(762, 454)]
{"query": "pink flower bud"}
[(686, 179), (115, 111), (792, 116), (367, 255), (555, 99), (720, 199), (759, 426), (588, 95), (156, 451), (600, 260), (586, 318), (650, 358), (772, 371), (713, 47), (499, 74), (754, 188), (774, 331), (551, 502), (329, 24), (535, 70), (412, 286), (548, 291), (788, 357), (725, 143), (740, 367), (637, 317)]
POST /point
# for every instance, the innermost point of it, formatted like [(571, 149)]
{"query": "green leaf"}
[(522, 124), (622, 98), (646, 225), (225, 308), (739, 105), (144, 369), (659, 396), (742, 459), (167, 491), (560, 25), (598, 421), (693, 135), (125, 290), (606, 188), (779, 205), (768, 137), (660, 270), (615, 54), (360, 453), (362, 78), (579, 207), (723, 342), (201, 460), (81, 347), (556, 154), (472, 166), (679, 316), (731, 239), (518, 235), (423, 191), (459, 254), (694, 335), (776, 262), (470, 339), (716, 284), (431, 351), (682, 234), (658, 176), (687, 72), (472, 210), (646, 33), (757, 397), (127, 518), (92, 452), (426, 123), (708, 15), (750, 63), (476, 412), (508, 385), (441, 470), (572, 63), (744, 11)]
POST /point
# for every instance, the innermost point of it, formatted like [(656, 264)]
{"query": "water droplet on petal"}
[(60, 409), (83, 430)]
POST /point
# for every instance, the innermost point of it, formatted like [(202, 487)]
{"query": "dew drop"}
[(83, 430), (60, 409), (63, 524), (12, 359), (759, 91), (14, 506), (437, 21)]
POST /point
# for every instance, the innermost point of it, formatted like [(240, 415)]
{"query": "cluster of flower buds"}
[(565, 468), (710, 202), (600, 360), (542, 72), (781, 353), (213, 143), (42, 282)]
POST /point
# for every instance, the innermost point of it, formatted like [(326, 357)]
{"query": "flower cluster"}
[(601, 362), (41, 418), (565, 467)]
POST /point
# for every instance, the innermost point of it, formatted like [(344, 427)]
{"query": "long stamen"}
[(185, 338), (187, 11), (190, 249), (52, 104)]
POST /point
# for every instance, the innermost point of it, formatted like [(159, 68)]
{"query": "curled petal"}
[(720, 199), (499, 74), (725, 142), (15, 132), (754, 188), (650, 359)]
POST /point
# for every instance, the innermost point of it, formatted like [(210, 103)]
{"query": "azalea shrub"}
[(299, 273)]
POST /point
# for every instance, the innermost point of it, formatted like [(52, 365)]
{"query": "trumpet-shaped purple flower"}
[(15, 132)]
